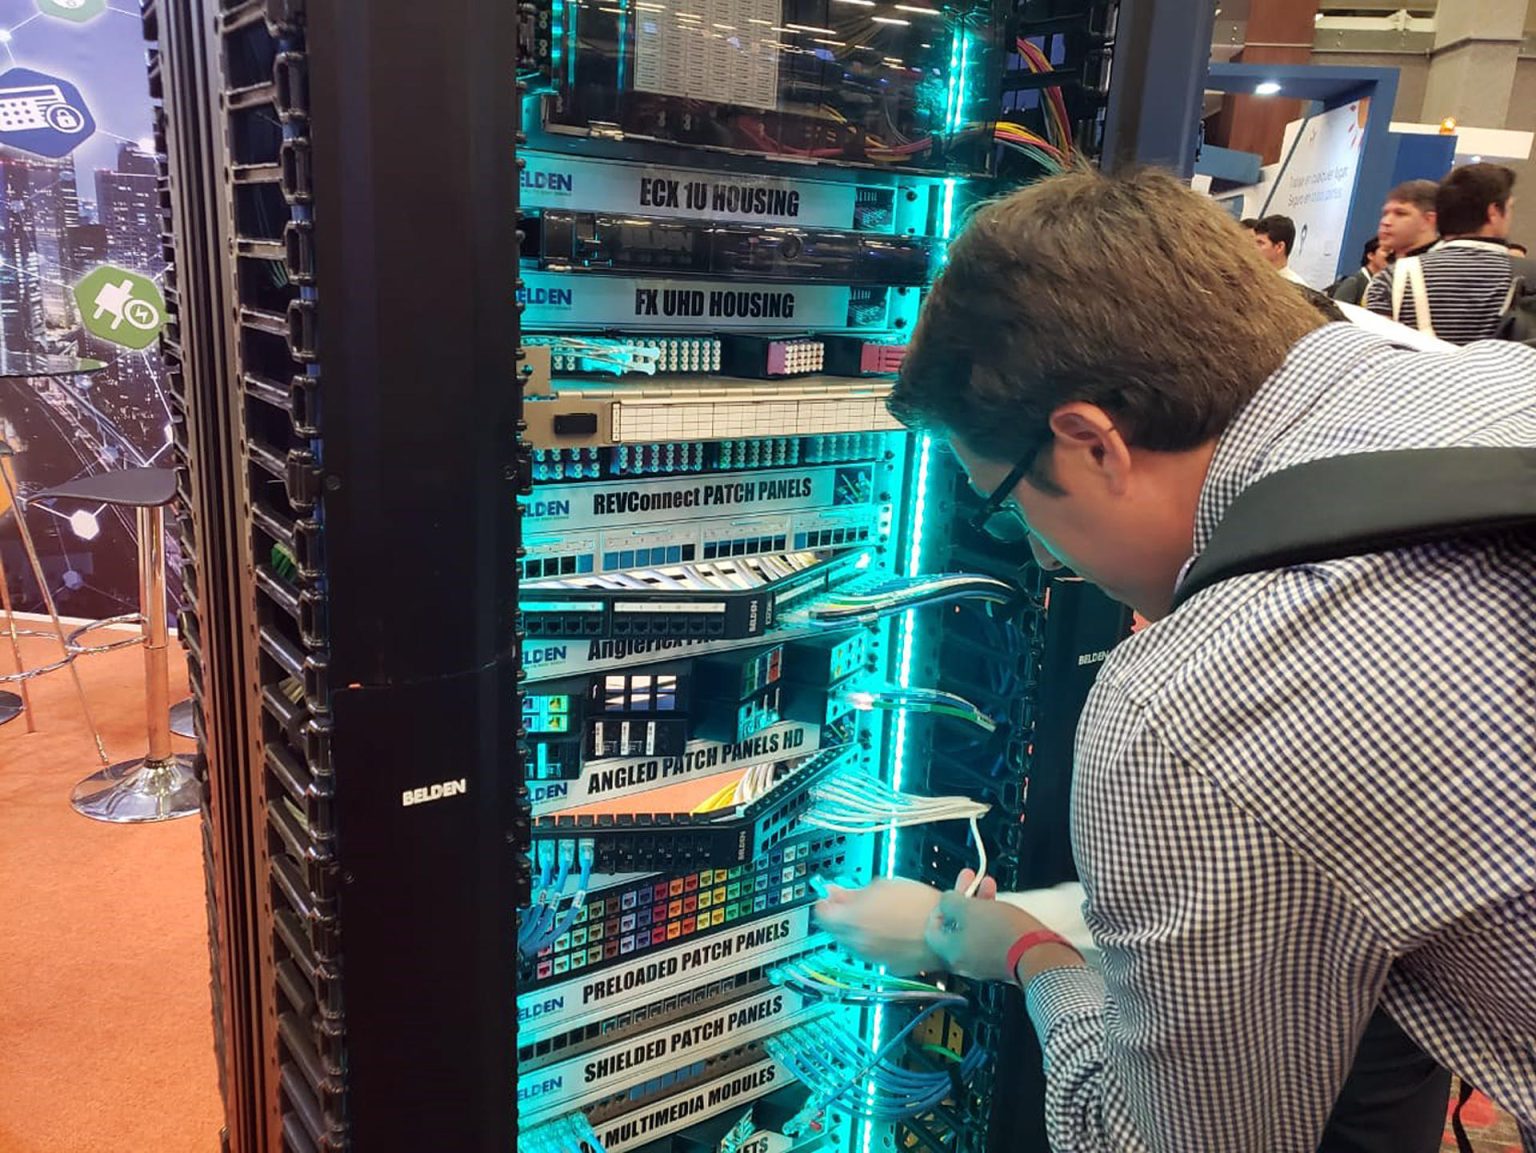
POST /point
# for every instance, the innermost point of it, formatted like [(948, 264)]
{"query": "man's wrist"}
[(1034, 954)]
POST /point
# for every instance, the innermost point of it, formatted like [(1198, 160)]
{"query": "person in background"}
[(1248, 223), (1518, 249), (1465, 279), (1275, 237), (1408, 226), (1301, 803), (1351, 289)]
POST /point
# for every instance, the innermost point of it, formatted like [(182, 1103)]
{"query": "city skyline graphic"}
[(78, 199)]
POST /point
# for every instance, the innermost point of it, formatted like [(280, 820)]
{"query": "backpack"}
[(1355, 505), (1408, 278), (1346, 506), (1518, 323)]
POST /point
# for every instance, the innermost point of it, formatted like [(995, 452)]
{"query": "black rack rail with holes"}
[(342, 463)]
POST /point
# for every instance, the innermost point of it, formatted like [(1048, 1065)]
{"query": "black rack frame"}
[(351, 393)]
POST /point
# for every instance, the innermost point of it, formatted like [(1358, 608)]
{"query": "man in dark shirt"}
[(1351, 289), (1460, 288)]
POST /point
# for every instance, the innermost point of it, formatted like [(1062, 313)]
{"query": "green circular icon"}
[(77, 10), (120, 306)]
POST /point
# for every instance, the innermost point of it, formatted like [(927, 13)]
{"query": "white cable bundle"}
[(857, 803)]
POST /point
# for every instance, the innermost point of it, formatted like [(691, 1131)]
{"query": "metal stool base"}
[(182, 722), (10, 707), (139, 791)]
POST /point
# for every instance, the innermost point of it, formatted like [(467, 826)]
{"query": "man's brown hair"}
[(1419, 193), (1464, 197), (1129, 292)]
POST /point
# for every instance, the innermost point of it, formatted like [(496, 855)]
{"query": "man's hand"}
[(971, 937), (883, 923)]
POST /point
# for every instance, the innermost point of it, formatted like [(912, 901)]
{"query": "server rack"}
[(348, 397), (339, 186)]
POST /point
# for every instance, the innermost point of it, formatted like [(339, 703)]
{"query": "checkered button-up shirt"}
[(1309, 791)]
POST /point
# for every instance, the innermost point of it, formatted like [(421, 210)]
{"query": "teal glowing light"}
[(947, 217)]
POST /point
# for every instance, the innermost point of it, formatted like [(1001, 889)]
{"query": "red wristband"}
[(1028, 941)]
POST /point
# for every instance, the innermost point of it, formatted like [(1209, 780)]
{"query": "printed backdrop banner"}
[(81, 274), (1317, 185)]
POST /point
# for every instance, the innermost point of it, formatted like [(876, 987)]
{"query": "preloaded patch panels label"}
[(657, 1119), (572, 1004), (566, 508), (611, 779), (578, 1081)]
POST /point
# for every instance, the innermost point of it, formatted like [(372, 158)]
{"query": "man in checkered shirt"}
[(1308, 792)]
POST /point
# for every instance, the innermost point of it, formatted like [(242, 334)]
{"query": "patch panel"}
[(635, 841), (575, 782), (681, 998), (664, 409), (618, 549), (589, 241), (650, 912), (619, 356), (584, 1003), (583, 1079), (623, 504), (699, 456), (713, 599)]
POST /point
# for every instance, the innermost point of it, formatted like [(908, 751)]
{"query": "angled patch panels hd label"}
[(608, 780), (578, 1081), (557, 300), (572, 1004), (616, 186), (621, 504)]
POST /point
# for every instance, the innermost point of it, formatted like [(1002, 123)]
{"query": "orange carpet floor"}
[(106, 1039)]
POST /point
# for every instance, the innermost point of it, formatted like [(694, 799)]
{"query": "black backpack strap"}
[(1458, 1127), (1364, 503)]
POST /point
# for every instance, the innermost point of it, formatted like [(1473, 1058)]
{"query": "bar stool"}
[(13, 705), (162, 785)]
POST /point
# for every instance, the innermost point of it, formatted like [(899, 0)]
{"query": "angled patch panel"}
[(599, 781), (725, 599), (633, 842)]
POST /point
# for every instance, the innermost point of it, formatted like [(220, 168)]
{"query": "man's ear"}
[(1087, 433)]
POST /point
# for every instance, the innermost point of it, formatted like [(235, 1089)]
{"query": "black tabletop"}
[(20, 365)]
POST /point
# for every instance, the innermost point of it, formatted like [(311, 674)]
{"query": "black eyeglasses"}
[(997, 518)]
